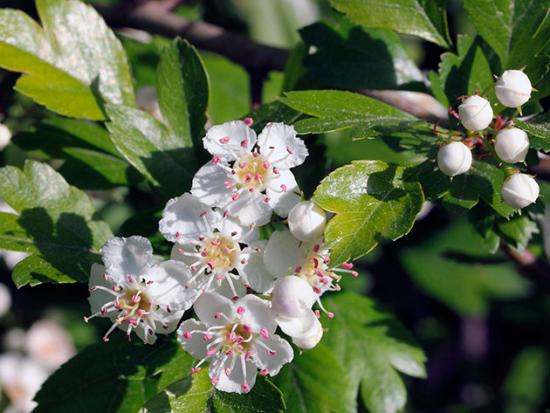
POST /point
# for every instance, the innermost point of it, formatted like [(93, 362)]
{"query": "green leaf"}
[(462, 74), (482, 181), (426, 19), (373, 347), (538, 130), (90, 159), (164, 151), (335, 110), (309, 383), (373, 201), (182, 86), (454, 268), (517, 30), (350, 57), (195, 394), (518, 230), (152, 148), (363, 347), (113, 377), (73, 55), (54, 223)]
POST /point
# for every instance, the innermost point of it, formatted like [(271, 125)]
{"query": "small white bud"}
[(307, 221), (292, 297), (5, 300), (520, 190), (5, 136), (513, 88), (512, 145), (475, 113), (454, 159), (311, 338)]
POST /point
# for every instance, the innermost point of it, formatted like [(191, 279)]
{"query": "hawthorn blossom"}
[(291, 301), (285, 255), (49, 344), (20, 379), (250, 176), (136, 292), (222, 255), (237, 338)]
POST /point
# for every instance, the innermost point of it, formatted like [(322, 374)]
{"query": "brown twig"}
[(240, 49), (529, 265)]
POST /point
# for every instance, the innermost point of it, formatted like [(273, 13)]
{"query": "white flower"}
[(5, 136), (237, 338), (454, 158), (520, 190), (513, 88), (285, 255), (49, 344), (475, 113), (291, 301), (5, 300), (137, 293), (221, 254), (512, 145), (248, 176), (292, 297), (20, 379), (307, 221)]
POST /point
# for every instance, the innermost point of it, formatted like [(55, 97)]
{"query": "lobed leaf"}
[(68, 60), (54, 223), (373, 201), (426, 19)]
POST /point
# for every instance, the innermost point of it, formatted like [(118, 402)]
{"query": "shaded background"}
[(483, 326)]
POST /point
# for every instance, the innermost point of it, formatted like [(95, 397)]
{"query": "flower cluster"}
[(494, 135), (241, 287)]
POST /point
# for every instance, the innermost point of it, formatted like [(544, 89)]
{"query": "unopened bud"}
[(475, 113), (307, 221), (454, 159), (520, 190), (512, 145), (513, 88)]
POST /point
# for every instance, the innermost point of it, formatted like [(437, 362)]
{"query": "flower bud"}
[(454, 159), (292, 297), (475, 113), (311, 338), (520, 190), (307, 221), (513, 88), (512, 145), (5, 136)]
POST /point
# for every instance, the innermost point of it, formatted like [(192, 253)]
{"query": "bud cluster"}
[(489, 135)]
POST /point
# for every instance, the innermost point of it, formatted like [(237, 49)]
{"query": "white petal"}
[(209, 305), (127, 256), (232, 228), (182, 220), (208, 185), (237, 377), (179, 252), (298, 326), (256, 314), (311, 338), (273, 362), (283, 193), (250, 209), (98, 298), (229, 140), (195, 345), (168, 286), (238, 290), (279, 144), (254, 269), (283, 254)]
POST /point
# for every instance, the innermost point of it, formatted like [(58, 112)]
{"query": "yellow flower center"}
[(220, 253), (252, 172)]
